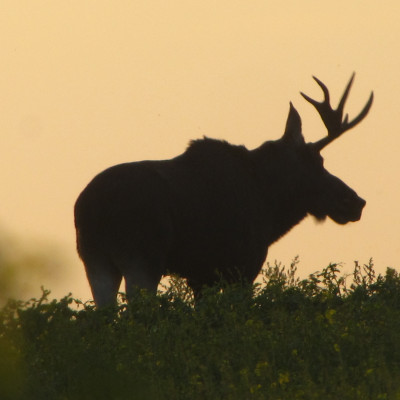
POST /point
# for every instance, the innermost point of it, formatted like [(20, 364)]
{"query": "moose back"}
[(211, 212)]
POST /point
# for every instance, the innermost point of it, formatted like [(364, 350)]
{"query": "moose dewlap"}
[(211, 212)]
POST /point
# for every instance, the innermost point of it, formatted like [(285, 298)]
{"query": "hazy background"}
[(88, 84)]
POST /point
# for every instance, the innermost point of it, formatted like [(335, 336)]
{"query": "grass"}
[(319, 338)]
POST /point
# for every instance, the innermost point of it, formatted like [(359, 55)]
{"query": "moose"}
[(212, 212)]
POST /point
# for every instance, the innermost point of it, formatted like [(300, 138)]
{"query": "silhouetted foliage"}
[(326, 337)]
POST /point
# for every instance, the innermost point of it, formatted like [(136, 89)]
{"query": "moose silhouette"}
[(211, 212)]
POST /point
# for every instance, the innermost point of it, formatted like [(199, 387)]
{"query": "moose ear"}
[(293, 128)]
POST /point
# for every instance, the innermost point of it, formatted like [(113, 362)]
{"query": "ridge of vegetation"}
[(286, 338)]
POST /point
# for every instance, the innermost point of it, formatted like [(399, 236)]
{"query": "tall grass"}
[(326, 337)]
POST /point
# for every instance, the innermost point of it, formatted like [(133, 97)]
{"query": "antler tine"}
[(316, 103), (333, 119), (362, 114), (345, 94), (324, 89)]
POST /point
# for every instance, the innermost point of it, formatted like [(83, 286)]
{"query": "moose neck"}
[(283, 201), (285, 213)]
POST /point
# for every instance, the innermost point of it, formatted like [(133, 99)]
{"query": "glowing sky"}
[(88, 84)]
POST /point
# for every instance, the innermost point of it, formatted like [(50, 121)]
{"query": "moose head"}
[(303, 171)]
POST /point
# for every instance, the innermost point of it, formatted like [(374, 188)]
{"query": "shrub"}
[(283, 339)]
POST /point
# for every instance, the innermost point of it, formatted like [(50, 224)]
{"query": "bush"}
[(283, 339)]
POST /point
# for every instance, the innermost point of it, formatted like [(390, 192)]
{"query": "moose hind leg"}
[(104, 280), (141, 275)]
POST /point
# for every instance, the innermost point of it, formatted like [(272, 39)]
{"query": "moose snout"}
[(354, 207), (348, 208), (361, 205)]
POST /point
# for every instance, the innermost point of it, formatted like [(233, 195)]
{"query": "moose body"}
[(210, 213)]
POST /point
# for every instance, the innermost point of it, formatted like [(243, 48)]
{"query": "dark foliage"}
[(318, 338)]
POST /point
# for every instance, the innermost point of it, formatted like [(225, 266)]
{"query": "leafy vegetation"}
[(319, 338)]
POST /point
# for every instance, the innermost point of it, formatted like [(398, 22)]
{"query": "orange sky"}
[(88, 84)]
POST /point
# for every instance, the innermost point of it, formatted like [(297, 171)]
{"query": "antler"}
[(333, 119)]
